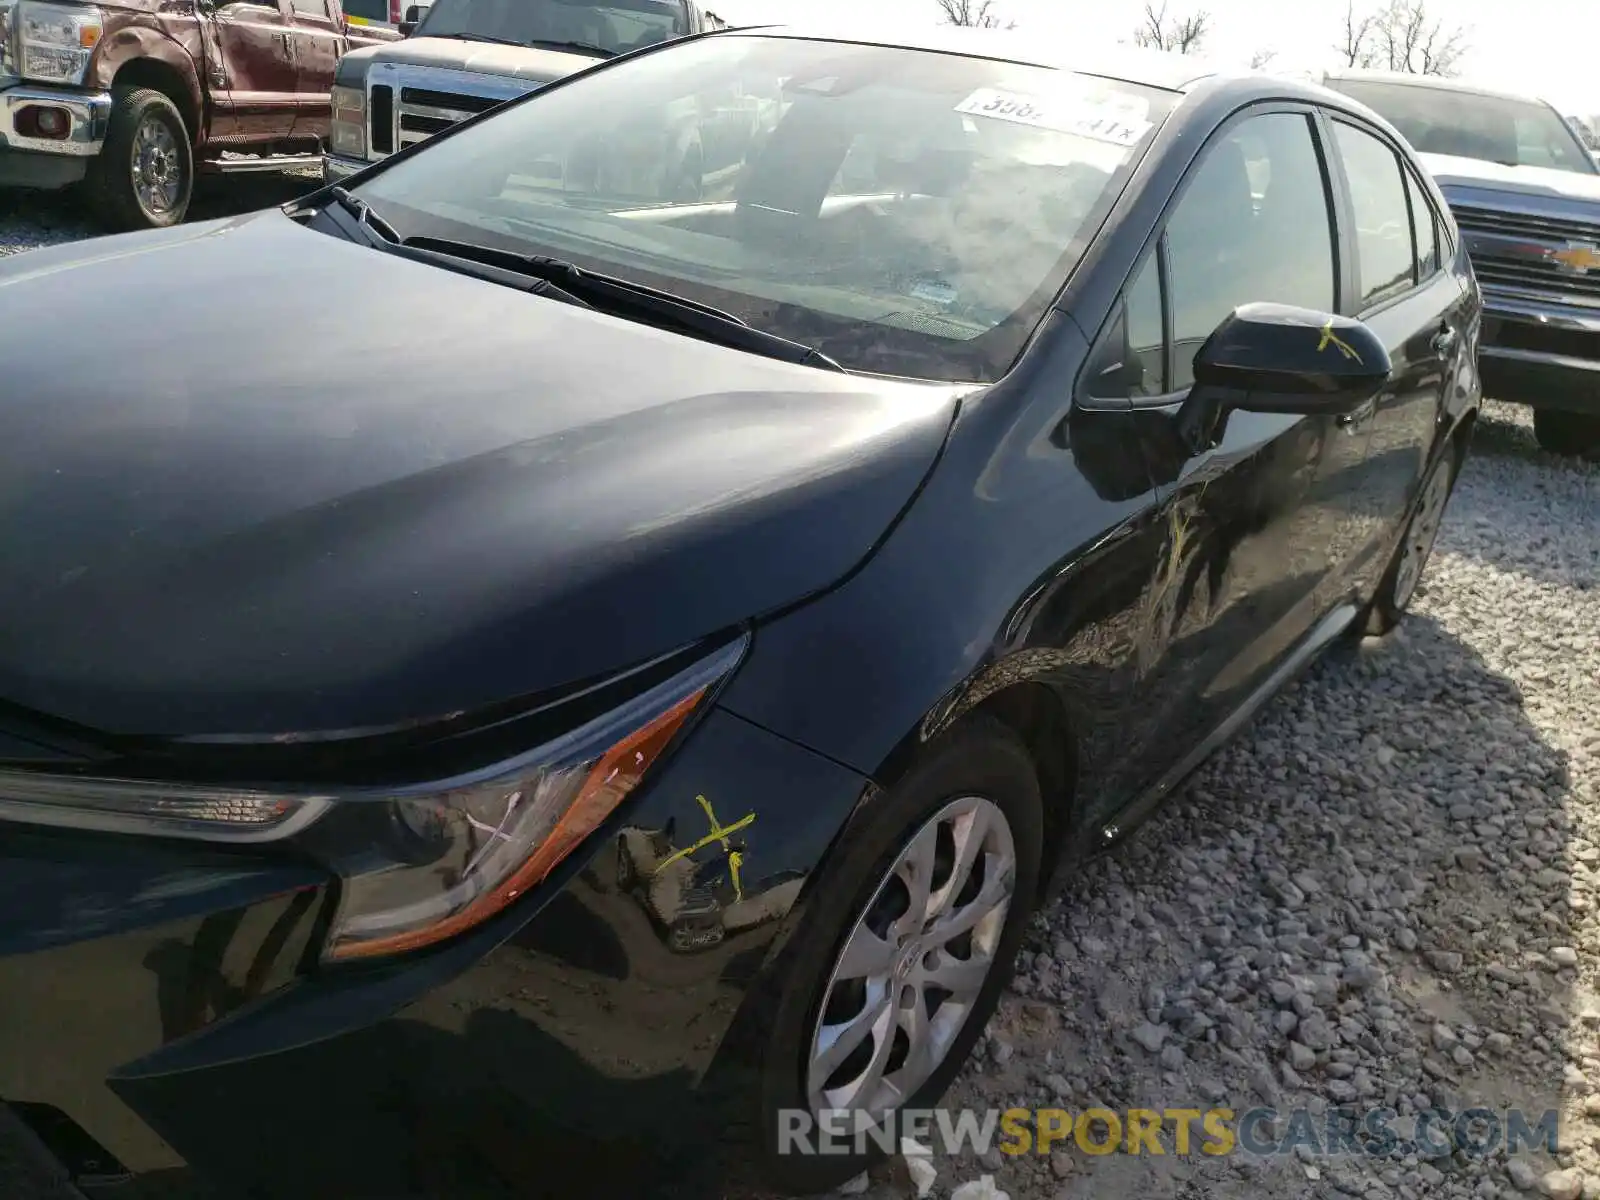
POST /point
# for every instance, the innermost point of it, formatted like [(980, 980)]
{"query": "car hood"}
[(257, 480), (1476, 173), (535, 64)]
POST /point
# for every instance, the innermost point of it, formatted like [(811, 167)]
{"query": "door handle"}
[(1352, 420), (1444, 342)]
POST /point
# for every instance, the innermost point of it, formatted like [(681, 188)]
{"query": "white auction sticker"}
[(1118, 120)]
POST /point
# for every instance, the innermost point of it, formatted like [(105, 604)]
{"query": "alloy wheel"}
[(157, 167), (912, 966)]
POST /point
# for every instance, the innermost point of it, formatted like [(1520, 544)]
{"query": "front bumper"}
[(1540, 352), (336, 168), (87, 114), (166, 1000)]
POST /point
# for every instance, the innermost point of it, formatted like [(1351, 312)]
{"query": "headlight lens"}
[(461, 853), (421, 863), (8, 65), (170, 810), (348, 132), (56, 41)]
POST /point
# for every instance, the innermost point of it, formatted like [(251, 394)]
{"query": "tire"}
[(145, 135), (1567, 433), (1399, 584), (627, 872), (980, 765)]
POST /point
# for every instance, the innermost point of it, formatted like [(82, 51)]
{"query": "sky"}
[(1543, 47)]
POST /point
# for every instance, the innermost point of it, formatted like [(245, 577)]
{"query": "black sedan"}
[(614, 621)]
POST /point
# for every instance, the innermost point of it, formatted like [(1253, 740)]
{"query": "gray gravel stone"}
[(1150, 1036)]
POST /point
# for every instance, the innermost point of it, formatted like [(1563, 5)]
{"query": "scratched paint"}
[(692, 904), (719, 834)]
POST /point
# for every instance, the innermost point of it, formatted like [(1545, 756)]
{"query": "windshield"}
[(1514, 133), (903, 212), (614, 27)]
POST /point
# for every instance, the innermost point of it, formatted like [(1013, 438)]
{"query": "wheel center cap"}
[(907, 962)]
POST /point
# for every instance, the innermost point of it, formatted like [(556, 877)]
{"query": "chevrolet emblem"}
[(1578, 257)]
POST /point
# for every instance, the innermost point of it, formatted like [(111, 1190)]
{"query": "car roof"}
[(1127, 64), (1435, 83)]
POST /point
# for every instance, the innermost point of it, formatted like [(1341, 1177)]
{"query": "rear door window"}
[(1424, 229), (1384, 252)]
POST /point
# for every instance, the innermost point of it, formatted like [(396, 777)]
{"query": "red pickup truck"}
[(131, 98)]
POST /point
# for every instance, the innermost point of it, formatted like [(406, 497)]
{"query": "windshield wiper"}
[(358, 217), (373, 228), (620, 296), (585, 47)]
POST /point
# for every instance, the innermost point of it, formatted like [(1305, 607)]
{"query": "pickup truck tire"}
[(1567, 432), (144, 175)]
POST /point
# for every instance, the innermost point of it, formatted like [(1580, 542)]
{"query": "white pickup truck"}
[(467, 56)]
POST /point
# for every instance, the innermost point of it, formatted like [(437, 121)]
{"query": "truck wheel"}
[(145, 173), (1567, 432)]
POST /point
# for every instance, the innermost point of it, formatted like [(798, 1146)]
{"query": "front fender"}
[(146, 38)]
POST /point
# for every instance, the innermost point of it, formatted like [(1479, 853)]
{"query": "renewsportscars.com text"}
[(1266, 1132)]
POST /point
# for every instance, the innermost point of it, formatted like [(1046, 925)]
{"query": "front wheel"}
[(144, 176), (912, 933), (1567, 433), (1399, 585)]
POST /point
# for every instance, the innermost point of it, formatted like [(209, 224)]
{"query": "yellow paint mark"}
[(719, 833), (1329, 338)]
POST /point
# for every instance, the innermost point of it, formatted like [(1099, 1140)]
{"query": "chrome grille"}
[(409, 104), (1521, 250), (1535, 278), (426, 111), (1528, 225)]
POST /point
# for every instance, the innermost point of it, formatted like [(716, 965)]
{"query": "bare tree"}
[(1262, 59), (1357, 48), (1402, 35), (976, 14), (1181, 34)]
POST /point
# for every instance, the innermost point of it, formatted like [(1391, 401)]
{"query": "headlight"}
[(419, 863), (56, 41), (170, 810), (348, 132), (8, 63)]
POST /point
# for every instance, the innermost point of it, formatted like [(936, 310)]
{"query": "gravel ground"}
[(1384, 893), (32, 219)]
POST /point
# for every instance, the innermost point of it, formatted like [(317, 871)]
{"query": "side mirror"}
[(413, 18), (1275, 358), (1292, 360)]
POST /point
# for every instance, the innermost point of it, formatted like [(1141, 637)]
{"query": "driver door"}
[(1237, 590), (253, 78)]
